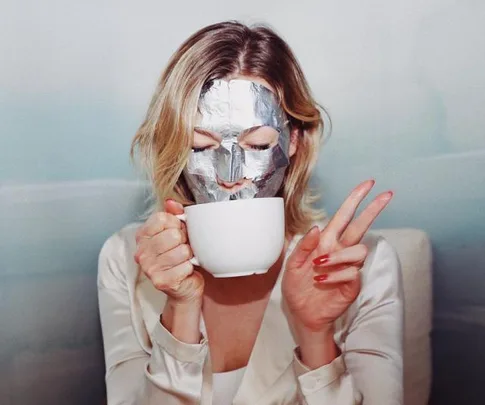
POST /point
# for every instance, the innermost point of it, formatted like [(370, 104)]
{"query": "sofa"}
[(50, 339)]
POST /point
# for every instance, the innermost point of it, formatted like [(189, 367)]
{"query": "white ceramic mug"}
[(236, 238)]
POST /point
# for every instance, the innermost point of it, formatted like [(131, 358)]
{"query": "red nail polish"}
[(318, 261), (320, 277)]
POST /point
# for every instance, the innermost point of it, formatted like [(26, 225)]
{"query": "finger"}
[(352, 254), (342, 276), (174, 257), (304, 248), (346, 212), (149, 249), (156, 223), (167, 261), (359, 226), (173, 207), (170, 280)]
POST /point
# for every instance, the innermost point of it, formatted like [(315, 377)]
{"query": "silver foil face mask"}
[(228, 109)]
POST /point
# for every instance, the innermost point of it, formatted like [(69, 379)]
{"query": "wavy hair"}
[(164, 140)]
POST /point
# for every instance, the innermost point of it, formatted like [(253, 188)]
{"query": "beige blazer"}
[(145, 364)]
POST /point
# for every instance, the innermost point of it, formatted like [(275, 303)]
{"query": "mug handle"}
[(193, 260)]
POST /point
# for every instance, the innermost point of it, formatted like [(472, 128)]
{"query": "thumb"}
[(304, 249), (173, 207)]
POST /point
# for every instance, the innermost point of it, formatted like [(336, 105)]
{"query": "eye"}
[(204, 140), (258, 138), (201, 149), (260, 147)]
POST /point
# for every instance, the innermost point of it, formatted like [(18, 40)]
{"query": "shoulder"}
[(116, 263), (381, 254), (381, 273)]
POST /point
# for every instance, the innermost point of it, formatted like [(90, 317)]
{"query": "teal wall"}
[(402, 81)]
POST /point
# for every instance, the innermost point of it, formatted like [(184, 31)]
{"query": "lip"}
[(234, 187)]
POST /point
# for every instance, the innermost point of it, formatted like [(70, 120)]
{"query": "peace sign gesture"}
[(322, 278)]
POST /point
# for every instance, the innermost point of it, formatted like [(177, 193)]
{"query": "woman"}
[(322, 326)]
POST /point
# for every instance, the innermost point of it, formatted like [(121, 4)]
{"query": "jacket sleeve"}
[(370, 369), (171, 374)]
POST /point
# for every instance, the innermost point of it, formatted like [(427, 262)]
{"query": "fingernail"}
[(320, 277), (321, 260), (387, 196)]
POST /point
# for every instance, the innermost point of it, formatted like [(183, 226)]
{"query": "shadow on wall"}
[(443, 195), (48, 296)]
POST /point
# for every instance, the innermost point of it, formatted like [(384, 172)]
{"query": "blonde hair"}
[(164, 140)]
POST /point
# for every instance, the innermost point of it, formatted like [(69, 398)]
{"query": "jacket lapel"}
[(273, 350)]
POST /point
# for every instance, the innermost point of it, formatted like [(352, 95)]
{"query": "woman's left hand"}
[(322, 278)]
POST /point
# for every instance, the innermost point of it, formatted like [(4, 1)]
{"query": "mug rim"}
[(232, 201)]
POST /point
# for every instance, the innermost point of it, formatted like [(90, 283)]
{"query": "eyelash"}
[(260, 147), (195, 150), (253, 147)]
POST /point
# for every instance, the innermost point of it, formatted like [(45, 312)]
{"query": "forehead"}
[(238, 104)]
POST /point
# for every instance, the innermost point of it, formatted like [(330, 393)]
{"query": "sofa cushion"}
[(414, 250)]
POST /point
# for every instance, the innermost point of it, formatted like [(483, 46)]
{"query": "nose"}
[(230, 164)]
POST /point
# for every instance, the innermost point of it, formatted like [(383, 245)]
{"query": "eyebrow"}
[(251, 130), (217, 137), (247, 132), (207, 133)]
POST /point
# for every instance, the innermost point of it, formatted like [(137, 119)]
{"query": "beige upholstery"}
[(414, 251)]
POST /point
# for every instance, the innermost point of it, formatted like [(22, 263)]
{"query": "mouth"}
[(233, 187)]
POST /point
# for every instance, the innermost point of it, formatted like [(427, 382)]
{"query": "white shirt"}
[(225, 386), (146, 365)]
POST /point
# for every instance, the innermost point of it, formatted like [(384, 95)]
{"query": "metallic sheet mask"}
[(229, 108)]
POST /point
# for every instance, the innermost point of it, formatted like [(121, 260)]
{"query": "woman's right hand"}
[(163, 254)]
